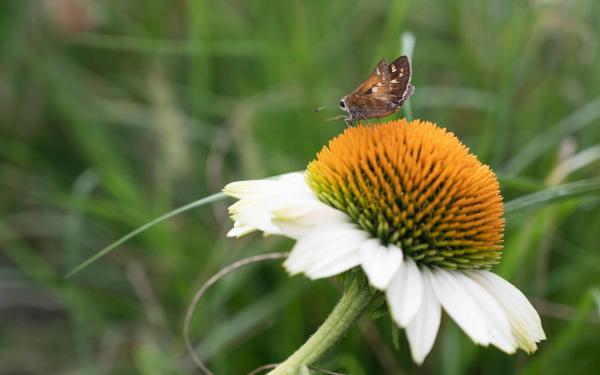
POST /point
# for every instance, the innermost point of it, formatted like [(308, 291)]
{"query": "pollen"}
[(415, 185)]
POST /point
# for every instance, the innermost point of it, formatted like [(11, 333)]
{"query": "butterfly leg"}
[(366, 119)]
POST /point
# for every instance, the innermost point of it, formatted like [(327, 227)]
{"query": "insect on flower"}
[(382, 94)]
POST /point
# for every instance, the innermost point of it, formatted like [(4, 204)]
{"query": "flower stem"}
[(351, 306)]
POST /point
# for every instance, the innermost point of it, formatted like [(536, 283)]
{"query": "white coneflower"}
[(417, 212)]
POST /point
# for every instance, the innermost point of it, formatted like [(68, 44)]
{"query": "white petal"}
[(285, 205), (296, 219), (249, 188), (295, 178), (474, 309), (524, 320), (379, 262), (326, 251), (459, 304), (405, 292), (422, 330), (255, 213), (288, 182), (304, 250), (239, 230), (498, 326)]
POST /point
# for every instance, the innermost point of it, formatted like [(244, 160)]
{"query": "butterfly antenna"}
[(318, 109), (335, 118)]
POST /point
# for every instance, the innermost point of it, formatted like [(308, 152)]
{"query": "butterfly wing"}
[(400, 74), (374, 92), (378, 83)]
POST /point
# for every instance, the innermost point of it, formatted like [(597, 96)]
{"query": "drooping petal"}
[(476, 311), (405, 292), (494, 315), (327, 250), (304, 250), (459, 304), (380, 262), (524, 320), (423, 328)]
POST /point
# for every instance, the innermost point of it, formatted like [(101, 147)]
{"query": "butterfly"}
[(382, 94)]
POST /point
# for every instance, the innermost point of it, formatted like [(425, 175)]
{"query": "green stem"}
[(351, 306)]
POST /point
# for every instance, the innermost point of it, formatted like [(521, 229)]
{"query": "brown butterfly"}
[(382, 94)]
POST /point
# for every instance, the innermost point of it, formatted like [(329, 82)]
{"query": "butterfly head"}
[(344, 104)]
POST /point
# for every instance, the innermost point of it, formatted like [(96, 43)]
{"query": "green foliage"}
[(115, 112)]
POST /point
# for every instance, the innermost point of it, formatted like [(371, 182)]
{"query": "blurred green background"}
[(114, 112)]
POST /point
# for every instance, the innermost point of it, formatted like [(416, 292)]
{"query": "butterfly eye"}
[(342, 104)]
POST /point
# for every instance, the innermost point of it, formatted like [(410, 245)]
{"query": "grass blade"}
[(579, 119), (201, 202), (552, 195)]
